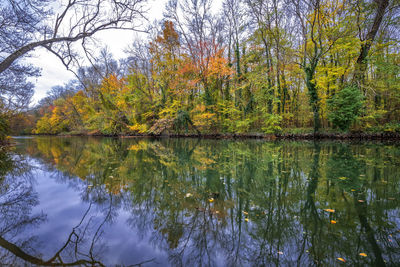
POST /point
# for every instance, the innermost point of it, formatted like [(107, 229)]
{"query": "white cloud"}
[(53, 73)]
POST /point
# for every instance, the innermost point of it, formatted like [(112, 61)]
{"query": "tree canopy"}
[(252, 66)]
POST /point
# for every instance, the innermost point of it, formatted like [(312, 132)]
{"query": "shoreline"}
[(270, 137)]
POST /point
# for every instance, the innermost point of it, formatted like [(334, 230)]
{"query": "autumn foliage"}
[(264, 82)]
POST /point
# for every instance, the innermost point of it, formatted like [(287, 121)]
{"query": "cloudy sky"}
[(54, 72)]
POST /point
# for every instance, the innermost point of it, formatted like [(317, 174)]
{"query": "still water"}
[(188, 202)]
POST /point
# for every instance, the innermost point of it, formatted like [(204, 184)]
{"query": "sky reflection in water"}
[(105, 201)]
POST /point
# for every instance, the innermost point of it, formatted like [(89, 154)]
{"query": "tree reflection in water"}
[(83, 246), (232, 203)]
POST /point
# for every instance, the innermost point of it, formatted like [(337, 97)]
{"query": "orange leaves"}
[(329, 210), (112, 85), (169, 39), (218, 65), (341, 259)]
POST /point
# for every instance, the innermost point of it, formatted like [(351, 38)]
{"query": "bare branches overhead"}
[(76, 20)]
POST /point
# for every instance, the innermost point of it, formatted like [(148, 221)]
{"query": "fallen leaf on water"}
[(211, 200), (246, 219), (341, 259), (333, 221), (342, 178), (188, 195), (329, 210), (245, 213), (363, 254), (361, 201), (280, 252), (353, 190)]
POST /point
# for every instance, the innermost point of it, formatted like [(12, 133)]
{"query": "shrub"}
[(344, 107), (272, 123)]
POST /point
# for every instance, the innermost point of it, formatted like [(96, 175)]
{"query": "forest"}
[(251, 66)]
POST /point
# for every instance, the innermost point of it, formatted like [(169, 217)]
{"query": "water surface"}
[(107, 202)]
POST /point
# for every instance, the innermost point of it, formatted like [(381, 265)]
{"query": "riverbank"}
[(271, 137)]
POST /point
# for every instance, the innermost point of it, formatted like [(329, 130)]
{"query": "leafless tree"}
[(78, 20), (58, 26)]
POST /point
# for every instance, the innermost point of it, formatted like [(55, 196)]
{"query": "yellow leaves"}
[(170, 110), (207, 161), (139, 128), (211, 200), (341, 259), (188, 195), (245, 213), (206, 116), (333, 222), (342, 178), (113, 85), (246, 219), (329, 210), (363, 254), (141, 145), (202, 118), (134, 147)]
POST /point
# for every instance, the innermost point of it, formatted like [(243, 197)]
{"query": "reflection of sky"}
[(64, 210), (283, 235)]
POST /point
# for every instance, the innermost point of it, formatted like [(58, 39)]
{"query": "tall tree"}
[(368, 39), (26, 25)]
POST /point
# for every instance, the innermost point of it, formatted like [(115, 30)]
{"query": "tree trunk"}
[(361, 65), (313, 95)]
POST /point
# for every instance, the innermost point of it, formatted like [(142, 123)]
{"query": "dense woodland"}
[(253, 66)]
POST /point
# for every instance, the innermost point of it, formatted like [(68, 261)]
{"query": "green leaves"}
[(344, 107)]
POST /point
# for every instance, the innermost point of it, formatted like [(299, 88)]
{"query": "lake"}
[(181, 202)]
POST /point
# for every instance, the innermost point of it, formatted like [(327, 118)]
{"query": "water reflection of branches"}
[(290, 183)]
